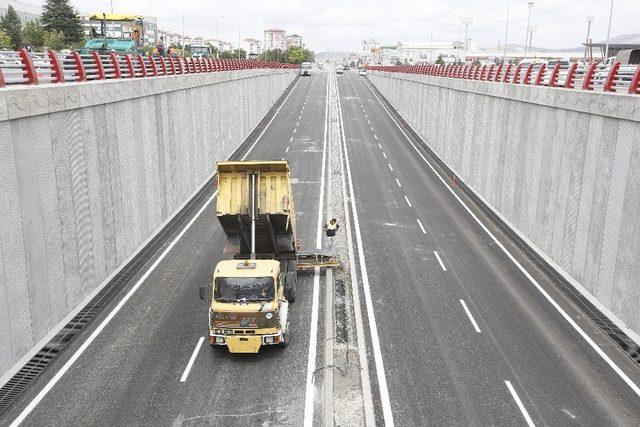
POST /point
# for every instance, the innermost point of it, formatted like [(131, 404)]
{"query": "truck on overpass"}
[(251, 293), (101, 43)]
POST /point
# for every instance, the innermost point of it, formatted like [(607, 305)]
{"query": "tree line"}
[(290, 55), (59, 28)]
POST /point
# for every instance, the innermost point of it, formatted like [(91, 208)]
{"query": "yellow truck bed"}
[(275, 219)]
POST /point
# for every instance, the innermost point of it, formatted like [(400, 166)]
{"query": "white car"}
[(363, 72), (339, 70)]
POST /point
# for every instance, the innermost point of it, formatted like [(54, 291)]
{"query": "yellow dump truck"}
[(251, 293)]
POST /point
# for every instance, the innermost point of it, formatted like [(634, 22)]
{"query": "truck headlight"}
[(219, 340), (268, 315), (268, 340)]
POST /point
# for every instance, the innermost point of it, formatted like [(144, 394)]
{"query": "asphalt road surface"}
[(131, 372), (456, 332), (464, 335)]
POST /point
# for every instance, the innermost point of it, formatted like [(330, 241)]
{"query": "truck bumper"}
[(245, 343)]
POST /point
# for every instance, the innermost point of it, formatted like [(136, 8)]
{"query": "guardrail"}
[(25, 68), (615, 78)]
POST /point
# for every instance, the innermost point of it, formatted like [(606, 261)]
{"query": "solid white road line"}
[(440, 261), (407, 200), (421, 226), (398, 182), (508, 254), (369, 413), (390, 167), (315, 302), (373, 327), (473, 321), (185, 374), (45, 390), (525, 414)]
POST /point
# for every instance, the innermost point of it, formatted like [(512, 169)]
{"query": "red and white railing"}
[(24, 68), (615, 78)]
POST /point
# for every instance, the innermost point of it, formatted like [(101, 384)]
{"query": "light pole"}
[(506, 32), (458, 39), (606, 49), (218, 35), (467, 21), (526, 40), (586, 46), (182, 28), (532, 28)]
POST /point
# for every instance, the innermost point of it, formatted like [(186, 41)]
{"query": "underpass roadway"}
[(455, 325), (465, 332), (151, 363)]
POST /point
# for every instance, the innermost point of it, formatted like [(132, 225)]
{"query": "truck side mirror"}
[(205, 292)]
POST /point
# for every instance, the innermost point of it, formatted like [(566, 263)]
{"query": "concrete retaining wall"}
[(90, 171), (562, 167)]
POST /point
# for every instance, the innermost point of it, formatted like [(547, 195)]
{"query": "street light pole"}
[(606, 49), (526, 40), (218, 35), (506, 32), (586, 46)]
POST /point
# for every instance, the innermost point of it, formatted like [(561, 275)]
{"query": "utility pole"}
[(182, 27), (111, 6), (506, 32), (458, 39), (606, 49), (238, 41), (587, 46), (467, 21), (218, 36), (526, 40)]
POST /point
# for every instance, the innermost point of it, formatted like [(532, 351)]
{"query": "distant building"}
[(252, 47), (274, 38), (170, 37), (388, 55), (370, 52), (294, 40), (121, 28), (423, 53), (27, 12)]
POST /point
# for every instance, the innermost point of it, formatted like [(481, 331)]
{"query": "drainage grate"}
[(37, 364), (600, 319)]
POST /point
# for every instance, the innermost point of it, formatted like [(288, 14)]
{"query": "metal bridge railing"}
[(616, 78), (24, 68)]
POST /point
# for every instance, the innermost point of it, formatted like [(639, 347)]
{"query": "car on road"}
[(363, 72), (339, 69), (305, 69)]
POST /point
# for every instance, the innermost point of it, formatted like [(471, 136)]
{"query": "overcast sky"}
[(343, 24)]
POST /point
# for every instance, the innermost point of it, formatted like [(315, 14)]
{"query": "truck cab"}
[(249, 307)]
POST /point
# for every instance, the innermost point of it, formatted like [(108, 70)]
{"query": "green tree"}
[(34, 34), (58, 15), (54, 40), (5, 41), (294, 55), (440, 61), (11, 25)]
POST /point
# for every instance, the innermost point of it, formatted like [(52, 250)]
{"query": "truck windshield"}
[(244, 289)]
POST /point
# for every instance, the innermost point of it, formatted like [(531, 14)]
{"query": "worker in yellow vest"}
[(330, 229)]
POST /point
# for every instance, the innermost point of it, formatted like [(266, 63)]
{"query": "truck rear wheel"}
[(291, 279)]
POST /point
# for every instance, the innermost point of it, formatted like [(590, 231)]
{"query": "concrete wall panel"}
[(86, 181), (560, 166)]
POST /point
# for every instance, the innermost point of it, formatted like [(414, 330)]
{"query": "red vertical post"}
[(116, 65), (571, 76), (588, 77), (496, 77), (163, 65), (27, 66), (540, 75), (130, 67), (99, 67), (634, 88), (56, 68), (527, 74), (154, 69), (80, 71), (143, 67), (610, 82), (516, 75), (505, 78), (553, 79)]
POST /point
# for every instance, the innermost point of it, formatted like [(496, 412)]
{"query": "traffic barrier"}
[(616, 78), (24, 67)]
